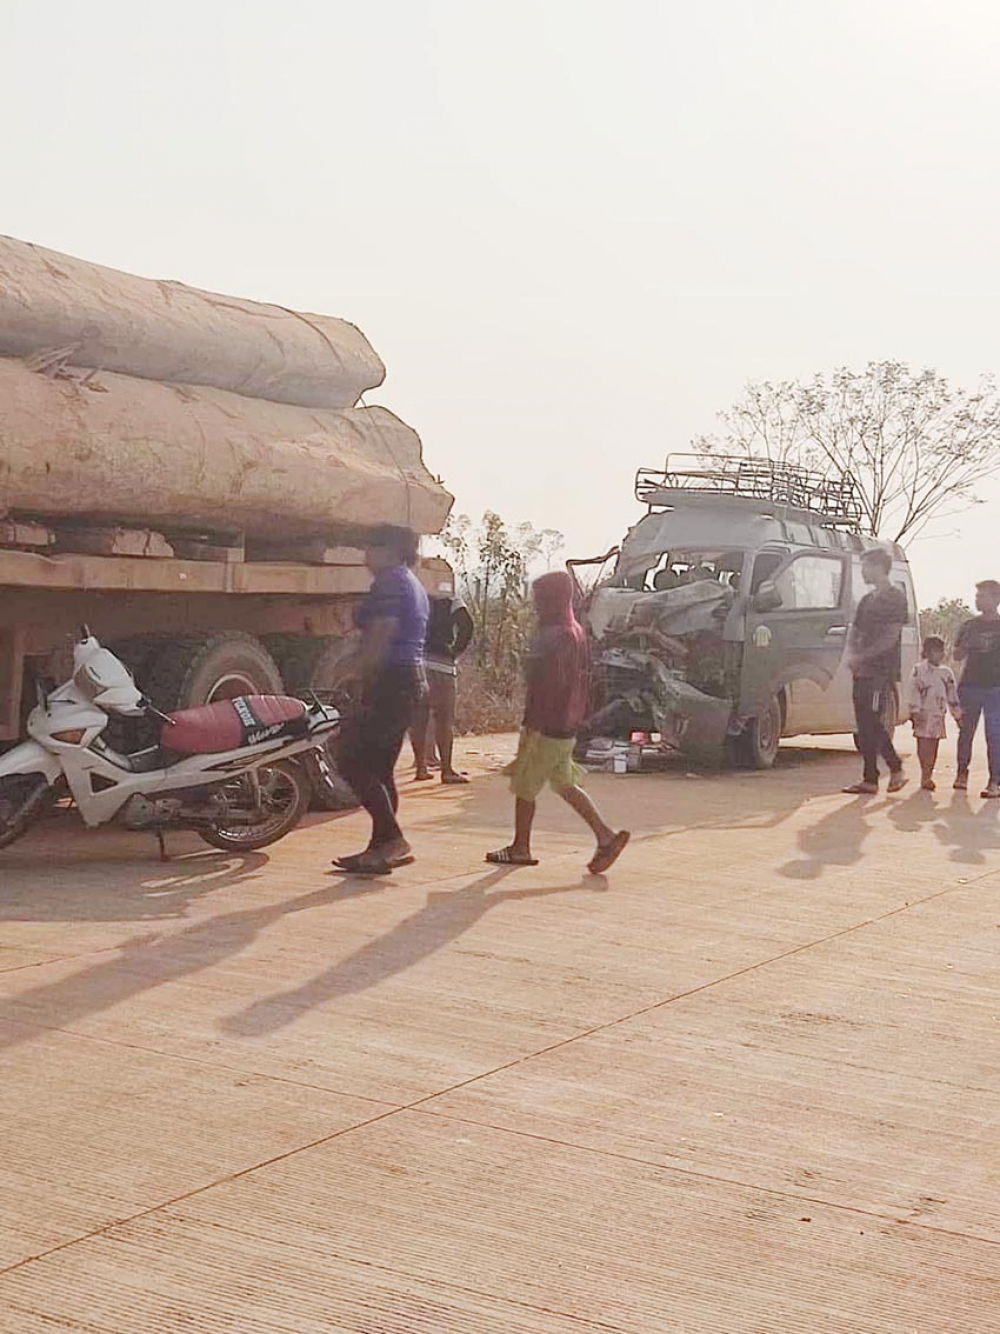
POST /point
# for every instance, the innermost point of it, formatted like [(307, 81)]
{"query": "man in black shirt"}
[(978, 646), (449, 634), (874, 659)]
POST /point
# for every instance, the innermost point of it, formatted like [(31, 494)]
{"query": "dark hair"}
[(991, 587), (878, 556), (402, 542), (933, 641)]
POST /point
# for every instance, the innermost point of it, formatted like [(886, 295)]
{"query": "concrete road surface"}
[(748, 1083)]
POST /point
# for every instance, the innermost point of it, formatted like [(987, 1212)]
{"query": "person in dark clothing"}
[(392, 619), (555, 708), (978, 647), (449, 634), (874, 658)]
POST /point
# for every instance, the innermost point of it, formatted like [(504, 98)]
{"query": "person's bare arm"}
[(961, 649)]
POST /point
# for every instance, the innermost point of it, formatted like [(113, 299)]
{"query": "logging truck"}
[(190, 475)]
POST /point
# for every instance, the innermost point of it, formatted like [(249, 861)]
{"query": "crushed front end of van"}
[(723, 624), (662, 669)]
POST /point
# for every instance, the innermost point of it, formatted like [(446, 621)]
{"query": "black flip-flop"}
[(504, 857), (358, 865)]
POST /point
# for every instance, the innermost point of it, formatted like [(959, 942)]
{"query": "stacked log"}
[(177, 456), (124, 400), (100, 318)]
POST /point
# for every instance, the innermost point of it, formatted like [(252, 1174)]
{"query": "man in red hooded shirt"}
[(557, 673)]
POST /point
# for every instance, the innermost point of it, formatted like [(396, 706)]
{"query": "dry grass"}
[(485, 706)]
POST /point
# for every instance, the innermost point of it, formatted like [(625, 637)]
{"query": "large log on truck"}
[(178, 456), (94, 317)]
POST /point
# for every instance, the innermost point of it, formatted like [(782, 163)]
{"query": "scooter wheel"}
[(285, 791)]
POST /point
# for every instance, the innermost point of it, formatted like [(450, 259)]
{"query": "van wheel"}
[(757, 746)]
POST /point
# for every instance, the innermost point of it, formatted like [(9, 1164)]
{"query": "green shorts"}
[(540, 760)]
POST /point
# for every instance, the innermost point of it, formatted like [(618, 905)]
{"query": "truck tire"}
[(200, 669), (326, 667), (757, 746), (136, 652), (128, 735)]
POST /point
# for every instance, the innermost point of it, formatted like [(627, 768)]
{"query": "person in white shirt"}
[(932, 691)]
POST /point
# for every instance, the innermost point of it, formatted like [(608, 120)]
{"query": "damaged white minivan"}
[(724, 624)]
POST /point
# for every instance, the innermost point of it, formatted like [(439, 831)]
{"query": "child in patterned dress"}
[(932, 692)]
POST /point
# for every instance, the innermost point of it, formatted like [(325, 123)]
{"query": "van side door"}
[(797, 625)]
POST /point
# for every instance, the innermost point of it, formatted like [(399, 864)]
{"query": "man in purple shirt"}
[(392, 619)]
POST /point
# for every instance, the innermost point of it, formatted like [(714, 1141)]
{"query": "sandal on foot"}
[(366, 867), (508, 857), (605, 857), (382, 861), (897, 782), (991, 790), (349, 862), (861, 790), (454, 780), (424, 777), (929, 785), (961, 783)]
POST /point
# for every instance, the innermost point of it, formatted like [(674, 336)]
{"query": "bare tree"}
[(945, 619), (916, 447), (494, 563)]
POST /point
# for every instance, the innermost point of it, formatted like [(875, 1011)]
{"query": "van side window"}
[(811, 583), (911, 605), (764, 566)]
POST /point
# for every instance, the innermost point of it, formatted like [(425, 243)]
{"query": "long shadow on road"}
[(443, 918), (146, 962), (967, 834)]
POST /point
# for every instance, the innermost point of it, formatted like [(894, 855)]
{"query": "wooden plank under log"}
[(137, 542), (30, 569), (227, 551), (26, 533), (309, 552)]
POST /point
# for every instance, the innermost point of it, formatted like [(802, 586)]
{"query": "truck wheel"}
[(202, 669), (136, 652), (757, 747), (328, 668), (128, 735)]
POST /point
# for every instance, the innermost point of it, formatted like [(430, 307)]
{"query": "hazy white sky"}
[(572, 228)]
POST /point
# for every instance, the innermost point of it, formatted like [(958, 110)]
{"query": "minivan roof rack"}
[(833, 501)]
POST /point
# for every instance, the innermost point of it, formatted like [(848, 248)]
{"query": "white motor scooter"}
[(227, 770)]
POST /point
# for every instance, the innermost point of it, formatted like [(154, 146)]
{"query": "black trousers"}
[(370, 744), (871, 698)]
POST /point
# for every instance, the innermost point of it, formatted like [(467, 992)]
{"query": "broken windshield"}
[(658, 572)]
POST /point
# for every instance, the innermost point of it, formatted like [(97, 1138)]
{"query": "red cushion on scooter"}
[(228, 725)]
